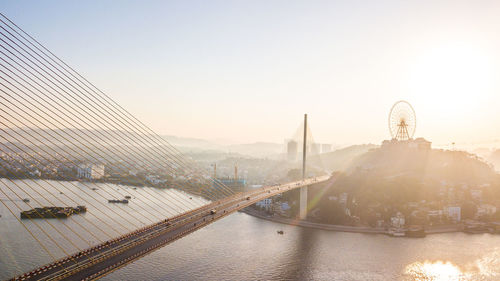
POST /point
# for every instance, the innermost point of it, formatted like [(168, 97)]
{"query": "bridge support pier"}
[(303, 190), (303, 203)]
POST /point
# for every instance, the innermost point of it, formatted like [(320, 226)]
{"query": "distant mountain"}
[(258, 149), (192, 143), (78, 137)]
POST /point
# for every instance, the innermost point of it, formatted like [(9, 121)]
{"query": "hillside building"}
[(418, 143)]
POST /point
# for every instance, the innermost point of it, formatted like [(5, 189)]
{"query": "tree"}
[(468, 210)]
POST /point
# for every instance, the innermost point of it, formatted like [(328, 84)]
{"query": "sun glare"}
[(456, 75), (434, 271)]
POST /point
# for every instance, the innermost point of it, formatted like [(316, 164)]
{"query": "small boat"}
[(397, 232), (476, 229), (80, 209), (124, 201), (280, 232), (416, 232)]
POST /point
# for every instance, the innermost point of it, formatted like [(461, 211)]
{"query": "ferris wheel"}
[(402, 121)]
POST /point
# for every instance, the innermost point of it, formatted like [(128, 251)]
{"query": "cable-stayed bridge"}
[(106, 257), (56, 126)]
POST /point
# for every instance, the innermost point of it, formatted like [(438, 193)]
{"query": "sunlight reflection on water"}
[(485, 268), (435, 271)]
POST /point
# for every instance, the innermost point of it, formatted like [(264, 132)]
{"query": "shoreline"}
[(352, 229)]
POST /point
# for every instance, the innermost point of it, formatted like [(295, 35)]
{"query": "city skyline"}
[(245, 73)]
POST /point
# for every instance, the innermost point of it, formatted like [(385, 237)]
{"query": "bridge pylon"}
[(303, 190)]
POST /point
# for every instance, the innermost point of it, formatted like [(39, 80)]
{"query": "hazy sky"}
[(248, 70)]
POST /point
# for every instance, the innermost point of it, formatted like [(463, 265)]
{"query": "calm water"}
[(20, 252), (241, 247)]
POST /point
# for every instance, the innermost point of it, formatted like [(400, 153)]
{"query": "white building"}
[(434, 214), (266, 203), (91, 171), (454, 213), (418, 143), (486, 210), (398, 221), (285, 207), (476, 194), (154, 179), (343, 198)]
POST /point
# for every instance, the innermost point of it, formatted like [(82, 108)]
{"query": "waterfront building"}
[(398, 220), (265, 204), (454, 213), (485, 210), (91, 172), (154, 179)]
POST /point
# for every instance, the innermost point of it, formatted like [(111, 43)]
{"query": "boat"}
[(124, 201), (80, 209), (415, 231), (476, 229), (280, 232), (52, 212), (396, 232)]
